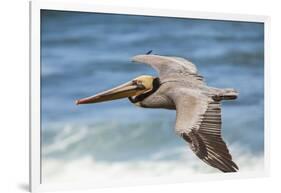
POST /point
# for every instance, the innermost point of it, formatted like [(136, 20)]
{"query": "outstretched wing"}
[(199, 123), (169, 67)]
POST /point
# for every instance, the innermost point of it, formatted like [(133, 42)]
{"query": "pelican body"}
[(179, 87)]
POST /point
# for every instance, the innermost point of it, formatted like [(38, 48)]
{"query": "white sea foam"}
[(86, 168), (65, 139)]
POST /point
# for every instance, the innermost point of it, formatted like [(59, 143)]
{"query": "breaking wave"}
[(87, 168)]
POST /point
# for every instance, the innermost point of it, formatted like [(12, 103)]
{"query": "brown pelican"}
[(180, 87)]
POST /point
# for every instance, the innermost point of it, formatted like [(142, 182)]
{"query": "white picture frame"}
[(35, 134)]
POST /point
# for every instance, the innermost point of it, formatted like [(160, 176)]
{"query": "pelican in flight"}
[(179, 87)]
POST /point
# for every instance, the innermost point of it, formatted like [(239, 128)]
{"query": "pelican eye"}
[(138, 83)]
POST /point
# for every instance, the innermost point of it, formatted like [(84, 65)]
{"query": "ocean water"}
[(85, 53)]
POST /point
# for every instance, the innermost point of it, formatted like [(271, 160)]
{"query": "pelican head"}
[(131, 89)]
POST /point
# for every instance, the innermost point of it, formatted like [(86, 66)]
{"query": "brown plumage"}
[(179, 87)]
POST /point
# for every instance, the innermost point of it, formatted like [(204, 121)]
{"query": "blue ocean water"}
[(85, 53)]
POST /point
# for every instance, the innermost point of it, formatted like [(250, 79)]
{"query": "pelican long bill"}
[(125, 90)]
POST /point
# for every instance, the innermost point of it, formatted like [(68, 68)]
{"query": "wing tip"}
[(137, 57), (226, 166), (141, 58)]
